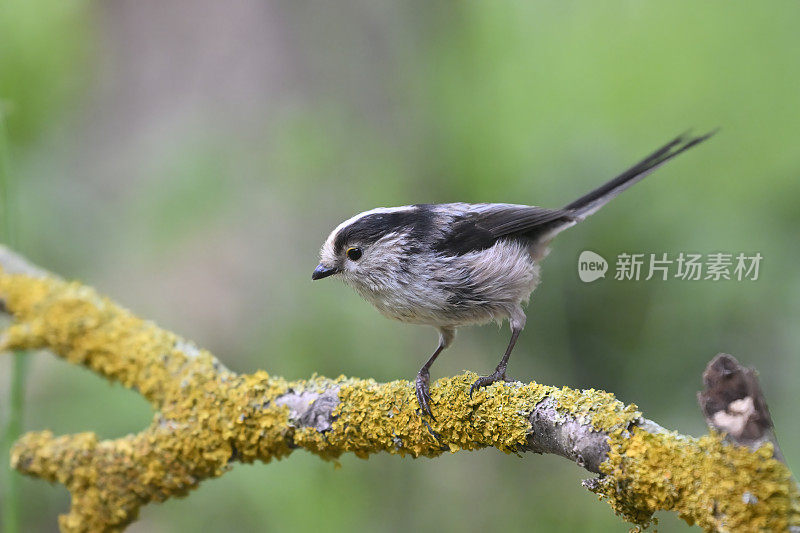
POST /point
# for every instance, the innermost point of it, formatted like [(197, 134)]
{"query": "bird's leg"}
[(499, 374), (423, 376)]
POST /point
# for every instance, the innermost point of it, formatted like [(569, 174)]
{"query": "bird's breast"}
[(472, 288)]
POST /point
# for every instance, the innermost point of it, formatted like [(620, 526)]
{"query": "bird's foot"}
[(484, 381), (423, 393)]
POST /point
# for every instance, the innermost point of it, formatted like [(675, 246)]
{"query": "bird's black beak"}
[(323, 272)]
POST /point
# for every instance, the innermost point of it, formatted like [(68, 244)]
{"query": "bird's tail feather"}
[(589, 203)]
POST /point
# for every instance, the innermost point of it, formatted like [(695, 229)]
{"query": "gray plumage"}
[(459, 264)]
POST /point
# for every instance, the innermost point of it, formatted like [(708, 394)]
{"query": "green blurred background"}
[(188, 159)]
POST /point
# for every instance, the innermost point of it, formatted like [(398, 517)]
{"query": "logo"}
[(591, 266), (686, 266)]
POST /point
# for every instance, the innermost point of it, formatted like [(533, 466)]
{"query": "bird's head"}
[(367, 250)]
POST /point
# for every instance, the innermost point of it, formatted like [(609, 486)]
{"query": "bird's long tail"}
[(589, 203)]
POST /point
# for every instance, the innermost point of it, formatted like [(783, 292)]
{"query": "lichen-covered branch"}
[(207, 417)]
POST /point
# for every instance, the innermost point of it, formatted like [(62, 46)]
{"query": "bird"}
[(461, 264)]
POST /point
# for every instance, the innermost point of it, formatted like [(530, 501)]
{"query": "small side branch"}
[(734, 404), (208, 418)]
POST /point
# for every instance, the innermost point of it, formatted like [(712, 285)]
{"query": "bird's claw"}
[(485, 381), (423, 393)]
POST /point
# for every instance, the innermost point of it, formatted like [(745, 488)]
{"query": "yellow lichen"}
[(707, 481), (373, 417), (207, 417), (598, 408)]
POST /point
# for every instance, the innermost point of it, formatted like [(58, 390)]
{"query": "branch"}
[(208, 417)]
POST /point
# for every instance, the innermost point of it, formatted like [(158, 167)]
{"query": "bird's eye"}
[(354, 253)]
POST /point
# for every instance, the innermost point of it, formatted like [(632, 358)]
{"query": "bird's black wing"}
[(482, 225)]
